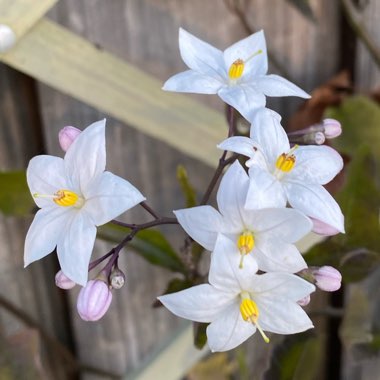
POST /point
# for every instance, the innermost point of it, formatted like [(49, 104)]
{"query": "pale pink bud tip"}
[(94, 300), (328, 278), (332, 128), (67, 135), (322, 228), (63, 282), (304, 301)]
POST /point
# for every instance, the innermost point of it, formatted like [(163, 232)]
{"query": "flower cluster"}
[(253, 282)]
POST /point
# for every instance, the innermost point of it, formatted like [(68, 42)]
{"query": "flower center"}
[(245, 243), (285, 162), (237, 68), (64, 198), (250, 312)]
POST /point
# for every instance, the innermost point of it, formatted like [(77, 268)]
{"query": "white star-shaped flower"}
[(75, 195), (293, 175), (267, 233), (237, 75), (237, 302)]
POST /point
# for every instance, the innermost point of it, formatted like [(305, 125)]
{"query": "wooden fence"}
[(86, 59)]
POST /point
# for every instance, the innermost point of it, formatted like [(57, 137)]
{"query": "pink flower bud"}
[(322, 228), (63, 282), (94, 300), (332, 128), (67, 135), (319, 138), (328, 278), (304, 301)]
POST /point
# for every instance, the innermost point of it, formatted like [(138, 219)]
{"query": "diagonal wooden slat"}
[(21, 15), (72, 65)]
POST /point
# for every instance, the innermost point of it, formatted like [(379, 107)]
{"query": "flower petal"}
[(264, 190), (46, 175), (244, 49), (202, 223), (194, 82), (225, 273), (245, 98), (75, 247), (229, 330), (267, 132), (86, 157), (315, 201), (231, 196), (274, 85), (201, 56), (201, 303), (274, 255), (44, 232), (316, 164), (108, 196), (285, 223), (239, 144)]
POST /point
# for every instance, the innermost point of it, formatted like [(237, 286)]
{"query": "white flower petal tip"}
[(323, 229)]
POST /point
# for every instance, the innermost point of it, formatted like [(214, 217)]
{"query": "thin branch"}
[(150, 210), (360, 30)]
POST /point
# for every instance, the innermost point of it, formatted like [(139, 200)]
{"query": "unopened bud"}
[(117, 278), (67, 135), (327, 278), (94, 300), (322, 228), (7, 38), (304, 301), (332, 128), (63, 282)]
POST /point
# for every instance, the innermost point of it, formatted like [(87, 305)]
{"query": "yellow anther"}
[(245, 243), (236, 69), (64, 198), (286, 161)]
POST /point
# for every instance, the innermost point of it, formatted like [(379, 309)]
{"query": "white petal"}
[(75, 247), (267, 132), (108, 196), (287, 224), (191, 81), (316, 164), (245, 48), (239, 144), (245, 98), (86, 157), (202, 223), (229, 330), (201, 56), (282, 316), (315, 201), (44, 232), (201, 303), (231, 196), (264, 190), (274, 85), (274, 255), (225, 273), (281, 286), (46, 175)]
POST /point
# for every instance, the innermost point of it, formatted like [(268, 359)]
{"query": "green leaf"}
[(186, 187), (15, 198), (298, 357), (150, 244), (304, 7)]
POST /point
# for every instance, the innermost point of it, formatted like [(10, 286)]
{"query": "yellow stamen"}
[(64, 198), (245, 243), (237, 68), (286, 161), (250, 313)]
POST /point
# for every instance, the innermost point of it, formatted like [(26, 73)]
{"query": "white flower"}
[(75, 195), (237, 301), (237, 75), (267, 233), (295, 175)]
